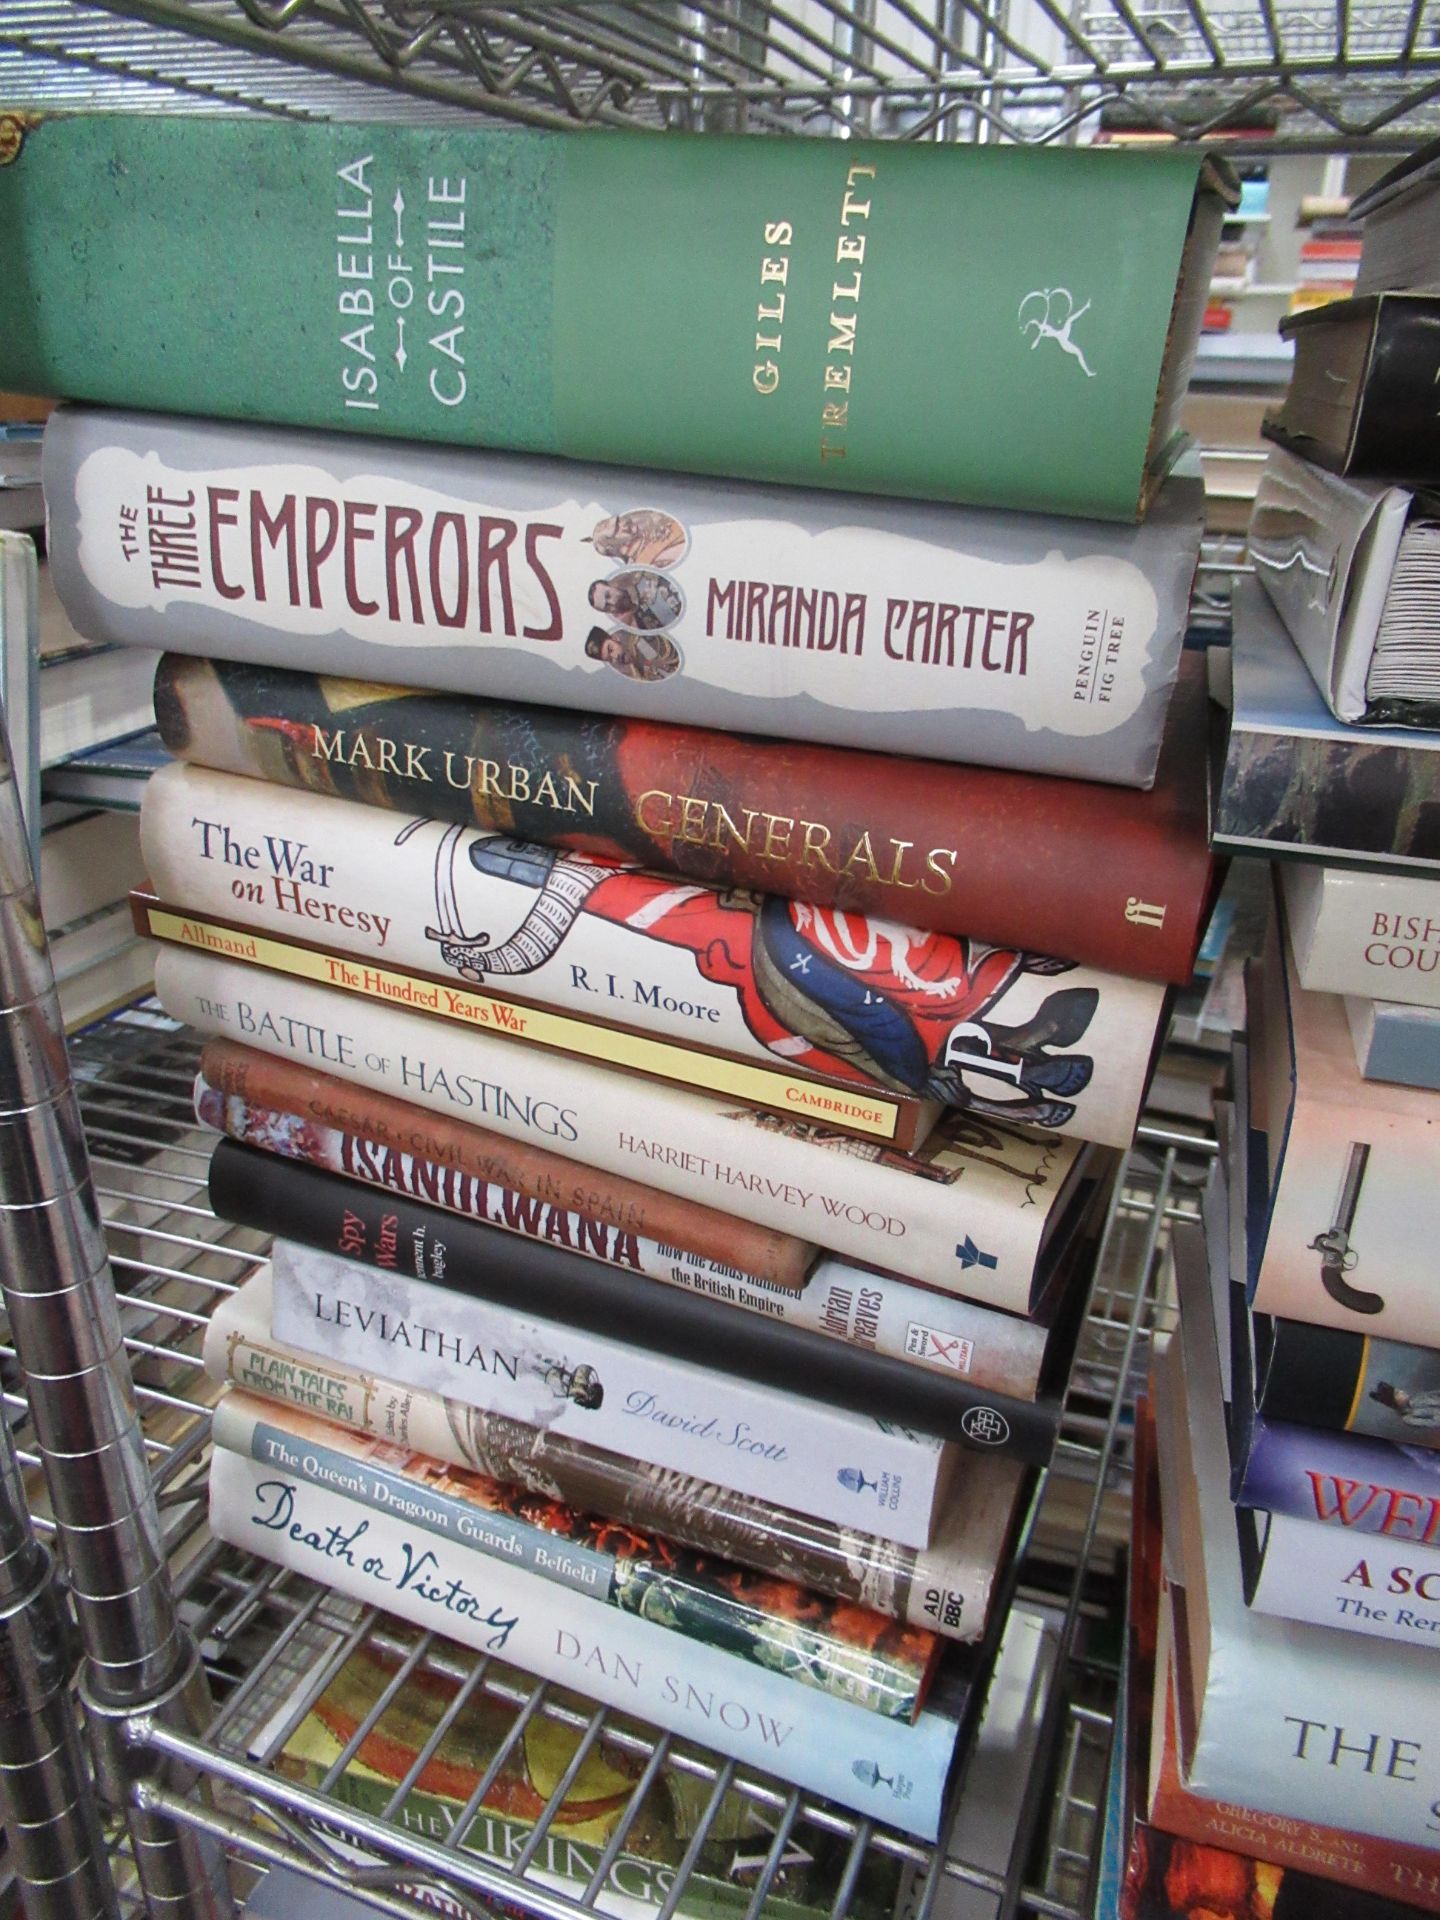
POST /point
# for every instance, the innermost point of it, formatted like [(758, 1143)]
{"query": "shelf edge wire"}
[(339, 1655), (1412, 31), (457, 41), (125, 84), (826, 84), (311, 1857), (514, 1738), (271, 44), (994, 100), (656, 51), (584, 1747), (1033, 1801), (774, 1859), (454, 1707), (263, 1788), (247, 1604), (441, 1862)]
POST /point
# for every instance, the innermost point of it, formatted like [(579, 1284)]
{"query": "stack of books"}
[(1346, 542), (89, 862), (1329, 255), (77, 695), (1234, 270), (1286, 1602), (679, 955), (89, 694)]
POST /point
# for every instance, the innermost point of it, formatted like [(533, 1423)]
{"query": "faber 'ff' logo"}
[(1048, 313)]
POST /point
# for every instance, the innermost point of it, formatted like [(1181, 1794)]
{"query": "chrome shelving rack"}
[(183, 1785), (272, 1641), (1294, 75)]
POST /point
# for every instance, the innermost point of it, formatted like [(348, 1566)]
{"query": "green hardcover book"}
[(1003, 325)]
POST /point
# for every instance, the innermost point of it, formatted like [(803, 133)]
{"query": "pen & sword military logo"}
[(854, 999)]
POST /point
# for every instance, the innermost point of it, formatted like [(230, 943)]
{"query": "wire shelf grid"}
[(271, 1637), (1276, 75)]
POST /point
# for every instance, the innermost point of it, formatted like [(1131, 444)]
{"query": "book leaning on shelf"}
[(1298, 781), (894, 1771), (870, 1026), (1340, 1203), (1283, 1718), (950, 1216), (944, 1586), (1101, 874), (747, 1267), (1354, 569), (834, 325), (1320, 1868), (1335, 1529), (1178, 1846)]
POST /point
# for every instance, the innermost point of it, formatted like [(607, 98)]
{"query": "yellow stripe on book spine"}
[(1360, 1375), (663, 1060)]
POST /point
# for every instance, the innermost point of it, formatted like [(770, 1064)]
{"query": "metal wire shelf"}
[(270, 1637), (1282, 74)]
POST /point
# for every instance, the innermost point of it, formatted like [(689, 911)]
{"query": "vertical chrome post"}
[(60, 1296), (853, 50), (47, 1801)]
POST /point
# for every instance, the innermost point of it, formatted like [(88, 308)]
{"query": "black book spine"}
[(294, 1201), (1310, 1375), (1395, 432)]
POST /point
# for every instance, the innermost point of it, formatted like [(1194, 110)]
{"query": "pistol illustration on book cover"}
[(1337, 1256)]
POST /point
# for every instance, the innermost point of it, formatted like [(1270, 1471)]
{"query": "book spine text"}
[(763, 1443), (786, 1631), (945, 1586), (467, 1259), (874, 1765), (875, 1312), (320, 1101), (965, 1218), (1383, 1587), (1101, 875), (815, 1013)]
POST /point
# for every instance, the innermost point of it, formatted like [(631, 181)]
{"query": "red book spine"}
[(1103, 875)]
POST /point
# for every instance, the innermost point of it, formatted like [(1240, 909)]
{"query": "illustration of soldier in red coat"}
[(854, 999)]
